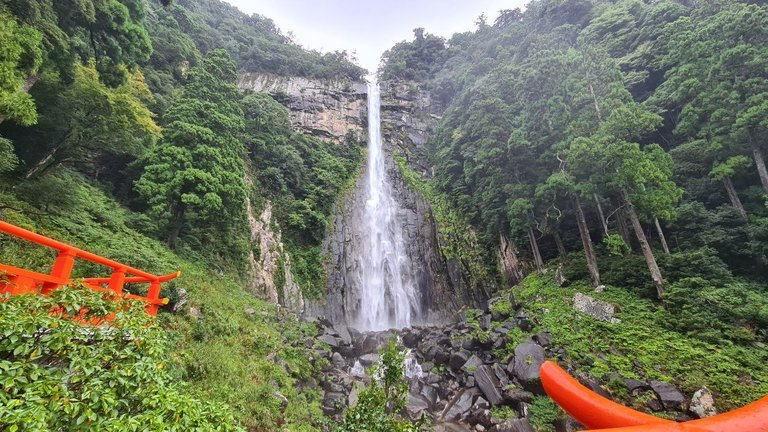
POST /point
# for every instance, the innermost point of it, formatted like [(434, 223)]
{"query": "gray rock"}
[(598, 309), (330, 340), (528, 360), (524, 320), (457, 360), (703, 403), (489, 384), (473, 363), (560, 279), (669, 395), (459, 406), (411, 339), (514, 425), (343, 333), (338, 361), (369, 359), (516, 396), (481, 404), (182, 300), (417, 405), (635, 386)]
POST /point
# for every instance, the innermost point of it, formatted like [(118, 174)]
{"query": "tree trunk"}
[(760, 164), (535, 250), (597, 105), (560, 246), (177, 221), (662, 238), (650, 259), (734, 197), (586, 241), (621, 220), (508, 261), (603, 222)]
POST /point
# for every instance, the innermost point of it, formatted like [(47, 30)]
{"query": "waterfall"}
[(388, 297)]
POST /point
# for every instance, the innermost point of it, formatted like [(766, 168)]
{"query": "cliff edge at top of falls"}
[(328, 109)]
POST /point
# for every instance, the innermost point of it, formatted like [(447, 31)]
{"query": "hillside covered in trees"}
[(624, 139), (609, 148)]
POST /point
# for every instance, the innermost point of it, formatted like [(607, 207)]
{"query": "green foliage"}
[(616, 244), (544, 412), (379, 405), (56, 373), (242, 352), (642, 346), (20, 58), (196, 176)]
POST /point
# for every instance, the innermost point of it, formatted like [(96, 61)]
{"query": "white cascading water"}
[(387, 293)]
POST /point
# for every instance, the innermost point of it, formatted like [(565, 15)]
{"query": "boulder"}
[(635, 386), (489, 384), (458, 359), (459, 406), (411, 339), (668, 394), (338, 361), (473, 363), (417, 405), (598, 309), (703, 403), (333, 341), (513, 425), (523, 320), (517, 396), (528, 360), (560, 279), (369, 359)]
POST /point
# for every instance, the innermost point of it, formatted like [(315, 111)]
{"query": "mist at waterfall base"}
[(388, 295)]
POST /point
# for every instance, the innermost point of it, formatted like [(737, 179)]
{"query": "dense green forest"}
[(618, 144), (122, 130), (624, 138)]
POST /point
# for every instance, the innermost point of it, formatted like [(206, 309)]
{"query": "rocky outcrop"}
[(324, 108), (598, 309), (270, 272)]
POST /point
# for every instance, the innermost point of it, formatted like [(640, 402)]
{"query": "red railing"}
[(20, 281)]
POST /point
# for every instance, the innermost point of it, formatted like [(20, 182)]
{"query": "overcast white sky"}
[(369, 27)]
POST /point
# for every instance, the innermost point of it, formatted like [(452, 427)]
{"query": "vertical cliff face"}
[(331, 110), (326, 109), (444, 282)]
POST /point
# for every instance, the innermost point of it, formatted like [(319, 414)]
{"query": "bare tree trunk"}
[(734, 197), (662, 238), (650, 259), (760, 164), (586, 241), (508, 261), (535, 250), (560, 246), (603, 222), (621, 220)]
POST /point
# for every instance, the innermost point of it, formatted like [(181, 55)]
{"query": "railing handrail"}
[(77, 252), (26, 280)]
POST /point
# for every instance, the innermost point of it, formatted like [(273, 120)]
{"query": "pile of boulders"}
[(466, 368)]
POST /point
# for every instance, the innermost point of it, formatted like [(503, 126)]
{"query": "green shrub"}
[(59, 374), (544, 412), (379, 404)]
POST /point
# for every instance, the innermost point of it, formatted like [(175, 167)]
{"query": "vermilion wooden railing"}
[(20, 281), (604, 415)]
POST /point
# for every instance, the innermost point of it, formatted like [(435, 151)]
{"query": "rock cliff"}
[(444, 283), (323, 108)]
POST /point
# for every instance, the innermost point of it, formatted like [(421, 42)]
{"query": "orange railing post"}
[(117, 281), (19, 281), (62, 269)]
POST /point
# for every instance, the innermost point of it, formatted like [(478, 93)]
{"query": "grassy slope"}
[(242, 351), (641, 347)]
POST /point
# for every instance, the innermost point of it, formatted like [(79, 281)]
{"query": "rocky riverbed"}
[(482, 374)]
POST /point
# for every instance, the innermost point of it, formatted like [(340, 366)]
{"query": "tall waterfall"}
[(388, 297)]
